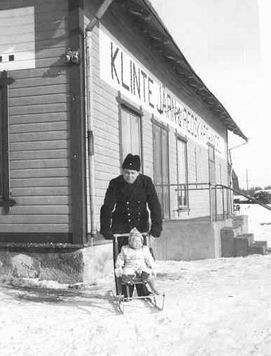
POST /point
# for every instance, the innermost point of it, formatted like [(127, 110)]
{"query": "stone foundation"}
[(190, 239), (81, 265)]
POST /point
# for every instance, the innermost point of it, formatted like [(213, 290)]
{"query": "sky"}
[(227, 43)]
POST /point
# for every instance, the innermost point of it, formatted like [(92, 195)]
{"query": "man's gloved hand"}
[(107, 234)]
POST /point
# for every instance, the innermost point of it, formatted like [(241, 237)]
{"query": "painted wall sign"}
[(125, 73), (17, 38)]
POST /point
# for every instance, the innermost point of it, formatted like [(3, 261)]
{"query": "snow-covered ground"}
[(213, 307)]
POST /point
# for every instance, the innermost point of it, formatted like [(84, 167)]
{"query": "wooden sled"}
[(120, 298)]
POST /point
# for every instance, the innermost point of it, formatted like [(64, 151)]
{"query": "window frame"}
[(211, 160), (166, 129), (137, 111), (184, 140)]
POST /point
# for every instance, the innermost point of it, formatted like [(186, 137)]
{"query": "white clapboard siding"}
[(41, 191), (34, 228), (41, 182), (38, 90), (37, 118), (39, 145), (38, 163), (34, 83), (38, 136), (41, 173), (36, 109), (39, 127), (40, 209), (33, 219), (38, 154), (42, 200)]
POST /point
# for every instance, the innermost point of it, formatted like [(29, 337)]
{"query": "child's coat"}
[(130, 261)]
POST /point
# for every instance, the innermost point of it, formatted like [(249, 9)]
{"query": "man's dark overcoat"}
[(125, 206)]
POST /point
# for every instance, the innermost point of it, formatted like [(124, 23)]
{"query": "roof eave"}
[(172, 53)]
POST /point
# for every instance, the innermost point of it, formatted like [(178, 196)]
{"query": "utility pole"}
[(247, 178)]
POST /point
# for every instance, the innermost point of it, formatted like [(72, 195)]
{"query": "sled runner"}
[(125, 285)]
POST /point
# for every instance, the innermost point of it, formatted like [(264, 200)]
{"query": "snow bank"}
[(213, 308)]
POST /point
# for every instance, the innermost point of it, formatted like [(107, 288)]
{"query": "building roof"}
[(154, 28)]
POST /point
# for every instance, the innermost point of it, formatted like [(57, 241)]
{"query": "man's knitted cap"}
[(131, 162)]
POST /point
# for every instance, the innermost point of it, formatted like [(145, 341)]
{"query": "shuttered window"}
[(212, 181), (211, 159), (182, 191), (161, 167)]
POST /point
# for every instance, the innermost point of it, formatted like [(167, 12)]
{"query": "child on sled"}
[(135, 262)]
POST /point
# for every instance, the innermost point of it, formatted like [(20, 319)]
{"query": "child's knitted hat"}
[(133, 235)]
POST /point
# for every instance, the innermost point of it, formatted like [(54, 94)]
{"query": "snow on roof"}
[(263, 191)]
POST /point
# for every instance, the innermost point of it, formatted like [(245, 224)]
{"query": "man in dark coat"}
[(129, 199), (126, 201)]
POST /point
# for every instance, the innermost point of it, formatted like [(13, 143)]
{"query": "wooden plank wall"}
[(38, 127)]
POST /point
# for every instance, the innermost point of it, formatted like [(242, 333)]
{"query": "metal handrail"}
[(220, 204), (246, 196), (187, 187)]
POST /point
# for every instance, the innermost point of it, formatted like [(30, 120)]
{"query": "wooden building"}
[(84, 82)]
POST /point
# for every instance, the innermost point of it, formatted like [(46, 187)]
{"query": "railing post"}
[(223, 205), (230, 197), (216, 205), (178, 199)]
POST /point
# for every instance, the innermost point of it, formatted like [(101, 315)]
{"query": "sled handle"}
[(127, 233), (144, 234)]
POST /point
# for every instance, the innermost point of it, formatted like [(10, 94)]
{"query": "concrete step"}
[(256, 250), (227, 235), (260, 243), (258, 247), (248, 236), (240, 246)]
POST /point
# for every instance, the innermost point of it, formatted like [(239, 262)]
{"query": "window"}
[(161, 167), (130, 132), (211, 160), (212, 181), (182, 191)]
